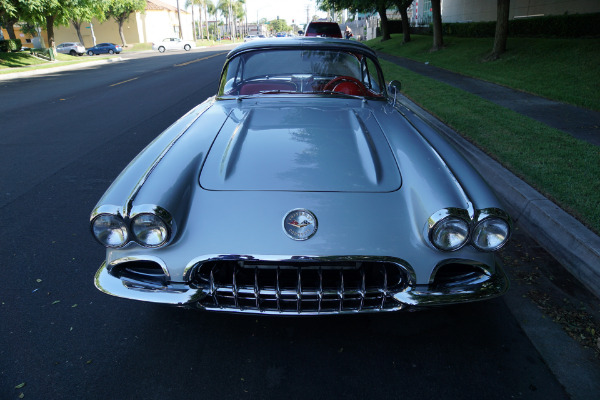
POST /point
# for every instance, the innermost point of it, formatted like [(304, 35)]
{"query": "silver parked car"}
[(303, 187), (72, 48), (173, 44)]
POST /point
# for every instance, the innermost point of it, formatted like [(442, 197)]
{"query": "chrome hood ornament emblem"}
[(300, 224)]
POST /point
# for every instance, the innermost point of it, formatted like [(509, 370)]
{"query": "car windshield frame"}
[(305, 71)]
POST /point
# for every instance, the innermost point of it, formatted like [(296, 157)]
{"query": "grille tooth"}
[(341, 290), (234, 288), (300, 287), (320, 289), (278, 292), (299, 291), (385, 289), (363, 288), (256, 288), (213, 287)]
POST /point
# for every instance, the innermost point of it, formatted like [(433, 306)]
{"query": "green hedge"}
[(563, 26), (10, 45)]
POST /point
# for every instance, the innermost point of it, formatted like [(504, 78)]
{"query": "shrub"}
[(10, 45)]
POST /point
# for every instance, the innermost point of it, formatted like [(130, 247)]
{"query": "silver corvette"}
[(301, 188)]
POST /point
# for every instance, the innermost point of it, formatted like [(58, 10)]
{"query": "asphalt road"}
[(63, 138)]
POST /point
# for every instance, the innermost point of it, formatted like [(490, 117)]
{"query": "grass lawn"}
[(566, 70), (23, 61), (565, 169)]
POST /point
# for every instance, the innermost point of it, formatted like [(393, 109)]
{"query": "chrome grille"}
[(299, 287)]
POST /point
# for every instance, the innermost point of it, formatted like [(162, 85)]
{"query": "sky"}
[(271, 9), (285, 9)]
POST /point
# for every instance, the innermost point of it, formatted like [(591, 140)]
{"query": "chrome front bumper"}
[(409, 297)]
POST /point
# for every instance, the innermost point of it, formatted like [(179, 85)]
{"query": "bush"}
[(562, 26), (10, 45)]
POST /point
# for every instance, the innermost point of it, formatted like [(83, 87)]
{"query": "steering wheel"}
[(339, 79)]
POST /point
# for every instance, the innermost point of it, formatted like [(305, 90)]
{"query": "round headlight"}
[(490, 234), (450, 234), (110, 230), (150, 230)]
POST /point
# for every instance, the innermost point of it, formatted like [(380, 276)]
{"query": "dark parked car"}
[(303, 187), (323, 29), (104, 48)]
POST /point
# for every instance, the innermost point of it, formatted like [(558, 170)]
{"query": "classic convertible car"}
[(303, 187)]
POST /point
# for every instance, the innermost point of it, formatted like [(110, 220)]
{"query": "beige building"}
[(158, 21)]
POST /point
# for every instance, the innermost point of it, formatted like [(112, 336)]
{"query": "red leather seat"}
[(348, 88)]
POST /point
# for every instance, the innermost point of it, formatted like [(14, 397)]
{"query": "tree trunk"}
[(503, 8), (385, 31), (405, 25), (206, 21), (50, 32), (10, 27), (179, 19), (193, 24), (121, 21), (436, 8), (77, 26)]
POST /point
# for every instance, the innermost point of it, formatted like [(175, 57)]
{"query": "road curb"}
[(576, 247), (53, 69)]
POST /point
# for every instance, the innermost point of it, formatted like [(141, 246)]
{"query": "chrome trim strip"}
[(107, 209), (129, 201)]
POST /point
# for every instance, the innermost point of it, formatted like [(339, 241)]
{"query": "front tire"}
[(161, 49), (90, 53), (187, 47)]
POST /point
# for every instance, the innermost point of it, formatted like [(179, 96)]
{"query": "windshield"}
[(302, 71)]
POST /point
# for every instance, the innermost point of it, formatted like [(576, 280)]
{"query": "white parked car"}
[(72, 48), (173, 44)]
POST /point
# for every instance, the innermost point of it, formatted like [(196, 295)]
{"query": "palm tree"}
[(202, 7), (209, 9), (192, 3), (223, 7), (239, 11)]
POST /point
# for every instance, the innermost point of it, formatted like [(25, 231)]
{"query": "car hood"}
[(333, 149)]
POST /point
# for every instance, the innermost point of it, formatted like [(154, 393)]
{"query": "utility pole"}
[(307, 20)]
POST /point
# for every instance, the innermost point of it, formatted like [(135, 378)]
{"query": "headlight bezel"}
[(159, 223), (488, 216), (119, 221), (445, 217)]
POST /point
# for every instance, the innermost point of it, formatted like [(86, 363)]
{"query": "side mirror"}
[(394, 88)]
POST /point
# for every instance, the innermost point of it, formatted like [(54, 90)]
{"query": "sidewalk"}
[(578, 122)]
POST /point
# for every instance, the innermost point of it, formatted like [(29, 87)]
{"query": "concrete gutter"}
[(572, 244)]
